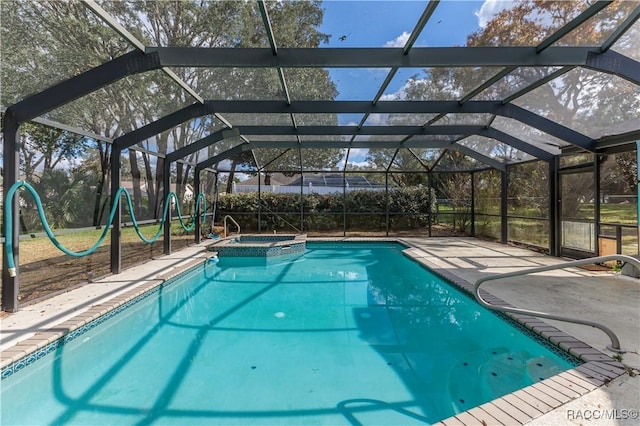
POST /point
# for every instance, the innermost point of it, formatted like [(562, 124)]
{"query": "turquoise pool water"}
[(345, 334)]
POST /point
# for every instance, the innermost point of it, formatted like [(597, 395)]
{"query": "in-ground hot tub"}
[(258, 245)]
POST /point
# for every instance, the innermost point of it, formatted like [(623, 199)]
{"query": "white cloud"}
[(357, 158), (377, 119), (358, 154), (399, 41), (401, 94), (489, 9)]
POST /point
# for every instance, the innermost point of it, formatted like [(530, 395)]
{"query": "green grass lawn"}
[(40, 248)]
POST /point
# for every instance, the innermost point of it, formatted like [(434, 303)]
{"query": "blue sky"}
[(389, 23)]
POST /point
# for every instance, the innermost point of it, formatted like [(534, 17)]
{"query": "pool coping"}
[(519, 407)]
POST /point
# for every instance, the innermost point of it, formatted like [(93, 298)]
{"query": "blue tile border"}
[(259, 245)]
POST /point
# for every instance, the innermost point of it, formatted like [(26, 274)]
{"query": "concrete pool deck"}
[(604, 297)]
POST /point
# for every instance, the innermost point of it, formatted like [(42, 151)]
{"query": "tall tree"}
[(587, 101), (44, 148)]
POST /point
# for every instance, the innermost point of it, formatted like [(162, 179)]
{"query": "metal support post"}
[(596, 204), (503, 207), (554, 207), (429, 197), (166, 187), (473, 204), (301, 202), (344, 204), (638, 192), (259, 203), (196, 214), (386, 196), (10, 146), (116, 237)]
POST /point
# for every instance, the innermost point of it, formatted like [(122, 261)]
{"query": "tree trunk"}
[(210, 181), (105, 162), (231, 173), (135, 180), (152, 194), (158, 205), (180, 177)]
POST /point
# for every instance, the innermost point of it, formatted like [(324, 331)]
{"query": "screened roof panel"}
[(454, 161), (112, 111), (374, 138), (349, 119), (586, 101), (599, 27), (212, 23), (517, 23), (317, 119), (529, 134), (268, 156), (436, 84), (443, 28), (427, 156), (460, 23), (340, 15), (325, 137), (71, 38), (516, 80), (369, 159), (224, 145), (51, 42), (321, 158), (180, 136), (310, 84), (629, 43), (288, 160), (495, 149), (398, 119), (269, 138), (406, 161), (370, 79), (463, 119), (236, 83), (243, 162), (428, 141), (263, 119)]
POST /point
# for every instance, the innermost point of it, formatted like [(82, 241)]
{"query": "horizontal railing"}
[(615, 342)]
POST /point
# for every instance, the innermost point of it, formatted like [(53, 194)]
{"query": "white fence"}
[(307, 189)]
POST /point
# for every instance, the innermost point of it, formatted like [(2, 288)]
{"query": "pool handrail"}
[(615, 342), (224, 222)]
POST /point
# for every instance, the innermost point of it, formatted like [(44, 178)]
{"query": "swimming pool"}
[(347, 333)]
